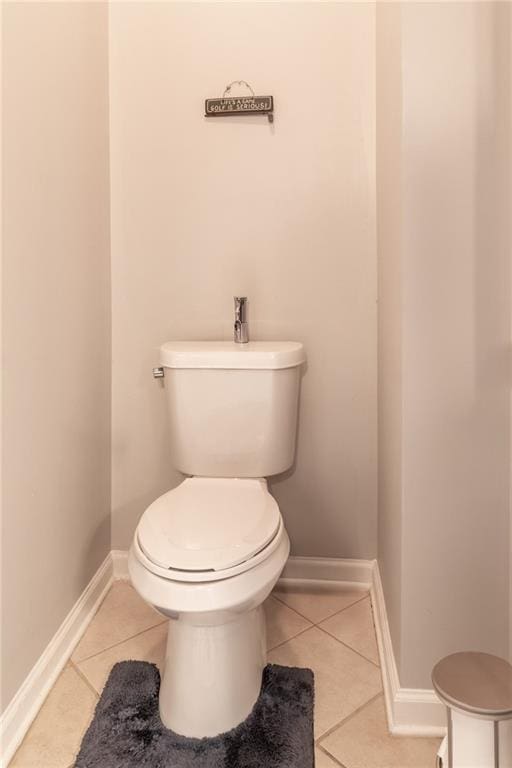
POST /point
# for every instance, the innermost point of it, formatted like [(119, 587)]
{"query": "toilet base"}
[(212, 675)]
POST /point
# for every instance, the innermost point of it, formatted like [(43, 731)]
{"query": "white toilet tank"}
[(233, 407)]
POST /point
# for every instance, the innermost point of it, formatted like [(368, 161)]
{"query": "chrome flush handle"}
[(241, 327)]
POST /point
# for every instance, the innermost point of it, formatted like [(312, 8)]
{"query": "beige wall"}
[(508, 126), (204, 209), (56, 344), (285, 213), (389, 253), (450, 579)]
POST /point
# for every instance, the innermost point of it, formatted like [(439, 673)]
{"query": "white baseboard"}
[(410, 711), (120, 564), (297, 569), (329, 569), (25, 705)]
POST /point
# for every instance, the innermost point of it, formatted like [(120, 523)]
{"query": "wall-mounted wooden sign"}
[(240, 105)]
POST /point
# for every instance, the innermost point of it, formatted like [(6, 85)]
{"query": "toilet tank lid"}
[(262, 355)]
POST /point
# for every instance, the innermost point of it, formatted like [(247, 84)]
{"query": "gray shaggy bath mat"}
[(127, 732)]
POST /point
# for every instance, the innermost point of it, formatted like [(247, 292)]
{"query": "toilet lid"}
[(209, 524)]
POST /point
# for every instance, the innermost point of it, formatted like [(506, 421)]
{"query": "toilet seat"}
[(196, 577), (208, 529)]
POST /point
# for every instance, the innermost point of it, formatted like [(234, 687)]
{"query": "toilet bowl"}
[(207, 553)]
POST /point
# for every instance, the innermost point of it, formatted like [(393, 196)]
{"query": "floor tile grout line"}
[(329, 755), (120, 642), (290, 608), (347, 645), (316, 623), (84, 679), (325, 631), (296, 611), (293, 637), (332, 615), (281, 602), (318, 742)]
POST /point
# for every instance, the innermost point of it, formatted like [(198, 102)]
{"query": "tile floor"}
[(327, 629)]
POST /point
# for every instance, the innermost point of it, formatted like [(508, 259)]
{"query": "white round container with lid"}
[(477, 690)]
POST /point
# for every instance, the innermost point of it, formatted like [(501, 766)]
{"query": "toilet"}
[(207, 553)]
